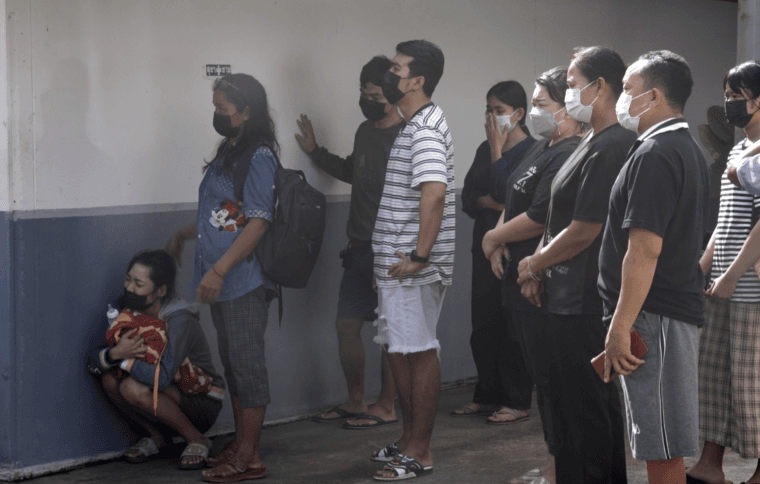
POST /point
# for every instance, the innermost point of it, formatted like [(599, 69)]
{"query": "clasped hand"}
[(128, 347)]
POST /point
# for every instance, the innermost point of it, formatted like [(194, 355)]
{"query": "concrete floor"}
[(466, 451)]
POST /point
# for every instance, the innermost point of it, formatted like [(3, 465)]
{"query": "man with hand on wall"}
[(413, 243), (364, 169), (650, 279)]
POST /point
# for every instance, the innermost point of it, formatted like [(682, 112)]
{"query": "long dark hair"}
[(162, 269), (244, 91), (513, 95)]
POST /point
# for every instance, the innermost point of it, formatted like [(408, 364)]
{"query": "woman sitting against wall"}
[(128, 380), (504, 387)]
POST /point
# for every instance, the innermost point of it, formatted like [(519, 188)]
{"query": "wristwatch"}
[(415, 258)]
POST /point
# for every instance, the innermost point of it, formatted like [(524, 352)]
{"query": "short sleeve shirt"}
[(737, 215), (423, 152), (663, 188), (217, 221), (529, 192), (581, 191)]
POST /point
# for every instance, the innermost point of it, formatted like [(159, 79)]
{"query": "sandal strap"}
[(195, 449), (508, 412), (146, 446), (404, 464)]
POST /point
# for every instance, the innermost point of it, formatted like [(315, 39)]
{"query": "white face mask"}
[(503, 121), (544, 122), (577, 110), (623, 108)]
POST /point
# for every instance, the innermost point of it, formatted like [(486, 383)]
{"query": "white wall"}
[(110, 104), (4, 188)]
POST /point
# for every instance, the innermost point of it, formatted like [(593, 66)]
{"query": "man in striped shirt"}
[(413, 243)]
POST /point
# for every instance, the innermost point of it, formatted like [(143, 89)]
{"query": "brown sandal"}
[(228, 455), (230, 472)]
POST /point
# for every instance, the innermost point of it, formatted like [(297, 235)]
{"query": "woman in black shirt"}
[(526, 206), (588, 419), (504, 386)]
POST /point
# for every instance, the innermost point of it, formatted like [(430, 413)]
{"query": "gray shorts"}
[(661, 402)]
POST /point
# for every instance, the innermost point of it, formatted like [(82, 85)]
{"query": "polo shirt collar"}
[(670, 124)]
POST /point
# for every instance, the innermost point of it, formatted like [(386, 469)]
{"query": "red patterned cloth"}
[(191, 379), (152, 330)]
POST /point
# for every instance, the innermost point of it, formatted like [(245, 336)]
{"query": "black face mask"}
[(372, 110), (736, 113), (134, 301), (223, 126), (390, 87)]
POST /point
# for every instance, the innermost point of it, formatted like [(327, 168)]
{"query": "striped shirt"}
[(734, 224), (423, 152)]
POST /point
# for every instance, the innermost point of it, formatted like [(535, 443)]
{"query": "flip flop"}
[(365, 416), (519, 417), (147, 448), (405, 468), (694, 480), (342, 415), (230, 472), (194, 450), (468, 411)]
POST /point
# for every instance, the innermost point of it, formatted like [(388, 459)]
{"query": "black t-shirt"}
[(479, 182), (663, 188), (581, 191), (364, 169)]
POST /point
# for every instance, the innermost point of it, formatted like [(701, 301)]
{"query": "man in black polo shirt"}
[(650, 279)]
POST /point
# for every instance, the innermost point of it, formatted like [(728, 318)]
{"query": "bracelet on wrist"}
[(532, 274)]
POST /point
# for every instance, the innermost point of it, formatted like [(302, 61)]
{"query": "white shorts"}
[(407, 317)]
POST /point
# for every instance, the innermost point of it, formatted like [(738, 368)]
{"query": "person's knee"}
[(348, 328), (135, 393), (110, 383)]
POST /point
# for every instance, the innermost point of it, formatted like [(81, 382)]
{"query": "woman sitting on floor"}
[(182, 404)]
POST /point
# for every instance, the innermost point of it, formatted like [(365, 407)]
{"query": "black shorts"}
[(201, 410)]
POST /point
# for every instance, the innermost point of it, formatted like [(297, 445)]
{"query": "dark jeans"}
[(588, 417), (531, 329), (503, 377)]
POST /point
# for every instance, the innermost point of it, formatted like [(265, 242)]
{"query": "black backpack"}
[(288, 250)]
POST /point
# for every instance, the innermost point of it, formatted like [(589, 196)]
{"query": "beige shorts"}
[(407, 317)]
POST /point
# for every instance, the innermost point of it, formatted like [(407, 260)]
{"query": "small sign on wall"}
[(218, 70)]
